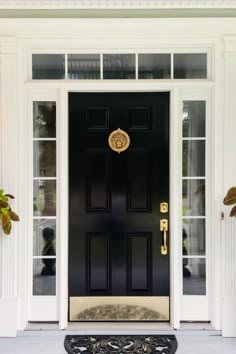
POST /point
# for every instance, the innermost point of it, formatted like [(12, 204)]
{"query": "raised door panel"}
[(98, 263), (139, 181), (140, 260), (98, 181)]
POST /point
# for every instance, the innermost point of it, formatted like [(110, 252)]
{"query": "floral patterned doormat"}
[(159, 344)]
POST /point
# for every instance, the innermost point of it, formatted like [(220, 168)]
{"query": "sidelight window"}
[(44, 198), (194, 197)]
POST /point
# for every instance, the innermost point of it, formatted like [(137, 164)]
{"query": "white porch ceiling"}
[(117, 4)]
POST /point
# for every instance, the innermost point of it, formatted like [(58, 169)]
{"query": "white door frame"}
[(175, 260), (60, 90), (175, 187)]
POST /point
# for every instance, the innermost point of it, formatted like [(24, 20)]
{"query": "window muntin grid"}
[(125, 66), (194, 197), (44, 198)]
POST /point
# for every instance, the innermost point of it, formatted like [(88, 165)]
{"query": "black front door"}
[(114, 202)]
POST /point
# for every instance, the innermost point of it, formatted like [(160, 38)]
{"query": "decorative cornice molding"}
[(117, 4)]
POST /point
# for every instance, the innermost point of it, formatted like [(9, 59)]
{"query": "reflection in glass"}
[(44, 158), (193, 237), (44, 198), (44, 237), (194, 119), (154, 66), (190, 66), (194, 197), (194, 276), (194, 158), (48, 66), (84, 66), (44, 281), (44, 116), (119, 66)]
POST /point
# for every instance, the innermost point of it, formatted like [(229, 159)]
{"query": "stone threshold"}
[(101, 328)]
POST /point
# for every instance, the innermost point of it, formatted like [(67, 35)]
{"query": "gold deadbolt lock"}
[(164, 207), (164, 229)]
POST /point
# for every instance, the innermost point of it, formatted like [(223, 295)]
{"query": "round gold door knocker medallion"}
[(119, 140)]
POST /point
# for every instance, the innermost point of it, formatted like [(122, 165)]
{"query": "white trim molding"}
[(8, 310), (117, 4), (230, 45), (9, 177), (7, 47), (228, 227)]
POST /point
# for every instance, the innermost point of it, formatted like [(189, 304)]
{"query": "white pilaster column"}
[(228, 234), (9, 181)]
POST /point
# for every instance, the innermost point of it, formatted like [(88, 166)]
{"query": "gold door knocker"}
[(119, 140)]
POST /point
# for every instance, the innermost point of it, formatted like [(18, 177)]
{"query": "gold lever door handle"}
[(164, 229)]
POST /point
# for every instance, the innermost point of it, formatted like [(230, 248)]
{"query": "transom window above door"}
[(145, 66)]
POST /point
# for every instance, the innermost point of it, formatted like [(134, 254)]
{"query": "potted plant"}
[(230, 199), (7, 215)]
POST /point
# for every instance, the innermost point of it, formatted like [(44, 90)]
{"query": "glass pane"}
[(44, 237), (194, 276), (193, 237), (44, 276), (44, 198), (154, 66), (48, 66), (44, 116), (190, 66), (194, 197), (84, 66), (119, 66), (193, 158), (194, 118), (44, 158)]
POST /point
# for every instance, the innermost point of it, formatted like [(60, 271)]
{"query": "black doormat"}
[(159, 344)]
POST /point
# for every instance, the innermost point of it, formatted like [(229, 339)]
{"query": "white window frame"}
[(136, 52), (39, 306), (197, 307)]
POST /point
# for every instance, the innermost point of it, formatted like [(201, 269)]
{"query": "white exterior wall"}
[(20, 37), (228, 235), (10, 178)]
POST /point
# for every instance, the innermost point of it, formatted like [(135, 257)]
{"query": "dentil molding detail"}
[(119, 4)]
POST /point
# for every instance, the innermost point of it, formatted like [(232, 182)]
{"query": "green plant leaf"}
[(10, 196), (4, 220), (3, 204), (3, 198), (6, 213), (230, 197), (233, 211), (14, 216), (7, 228)]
